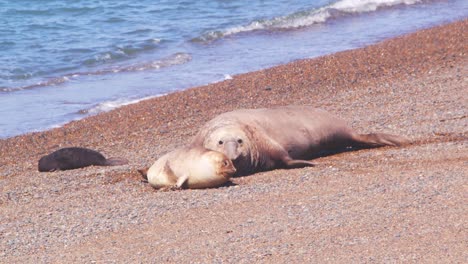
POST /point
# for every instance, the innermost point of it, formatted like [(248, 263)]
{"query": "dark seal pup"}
[(74, 158), (283, 137)]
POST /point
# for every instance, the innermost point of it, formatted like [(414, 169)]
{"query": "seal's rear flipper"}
[(116, 161), (378, 140), (290, 163), (144, 173)]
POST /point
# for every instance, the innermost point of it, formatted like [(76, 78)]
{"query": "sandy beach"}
[(386, 205)]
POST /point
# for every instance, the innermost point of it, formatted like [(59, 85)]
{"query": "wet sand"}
[(404, 204)]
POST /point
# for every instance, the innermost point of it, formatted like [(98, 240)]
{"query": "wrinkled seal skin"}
[(192, 168), (74, 158), (283, 137)]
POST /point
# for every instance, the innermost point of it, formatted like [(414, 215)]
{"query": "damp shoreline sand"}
[(381, 205)]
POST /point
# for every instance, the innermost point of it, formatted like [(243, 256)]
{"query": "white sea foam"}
[(310, 17), (99, 108), (359, 6), (175, 59), (110, 105), (103, 57), (172, 60), (7, 89)]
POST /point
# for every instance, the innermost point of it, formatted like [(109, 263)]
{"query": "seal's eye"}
[(225, 163), (239, 141), (220, 142)]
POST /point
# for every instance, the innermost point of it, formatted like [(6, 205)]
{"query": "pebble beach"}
[(382, 205)]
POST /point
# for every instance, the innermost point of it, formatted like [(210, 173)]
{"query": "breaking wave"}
[(175, 59), (110, 105), (301, 19)]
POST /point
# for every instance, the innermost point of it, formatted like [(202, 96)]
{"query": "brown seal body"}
[(268, 138), (74, 158), (192, 168)]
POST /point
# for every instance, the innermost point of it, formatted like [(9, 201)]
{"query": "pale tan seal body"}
[(288, 136), (192, 168)]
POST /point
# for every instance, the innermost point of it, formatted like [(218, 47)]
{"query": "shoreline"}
[(88, 89), (348, 78), (351, 206)]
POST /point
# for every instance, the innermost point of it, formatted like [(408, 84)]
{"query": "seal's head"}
[(212, 169), (47, 163), (222, 164), (230, 140)]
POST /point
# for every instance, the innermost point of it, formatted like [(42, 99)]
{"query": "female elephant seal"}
[(288, 136), (192, 168), (74, 158)]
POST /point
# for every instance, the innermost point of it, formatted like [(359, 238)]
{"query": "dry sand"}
[(386, 205)]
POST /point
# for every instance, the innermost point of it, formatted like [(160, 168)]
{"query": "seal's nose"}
[(231, 150), (228, 168)]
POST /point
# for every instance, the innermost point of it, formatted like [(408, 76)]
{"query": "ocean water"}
[(65, 60)]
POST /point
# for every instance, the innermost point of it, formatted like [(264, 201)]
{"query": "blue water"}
[(64, 60)]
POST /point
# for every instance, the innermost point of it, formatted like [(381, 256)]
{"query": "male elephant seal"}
[(192, 168), (74, 158), (264, 139)]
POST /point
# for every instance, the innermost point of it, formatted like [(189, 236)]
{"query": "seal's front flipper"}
[(144, 173), (182, 182), (290, 163)]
